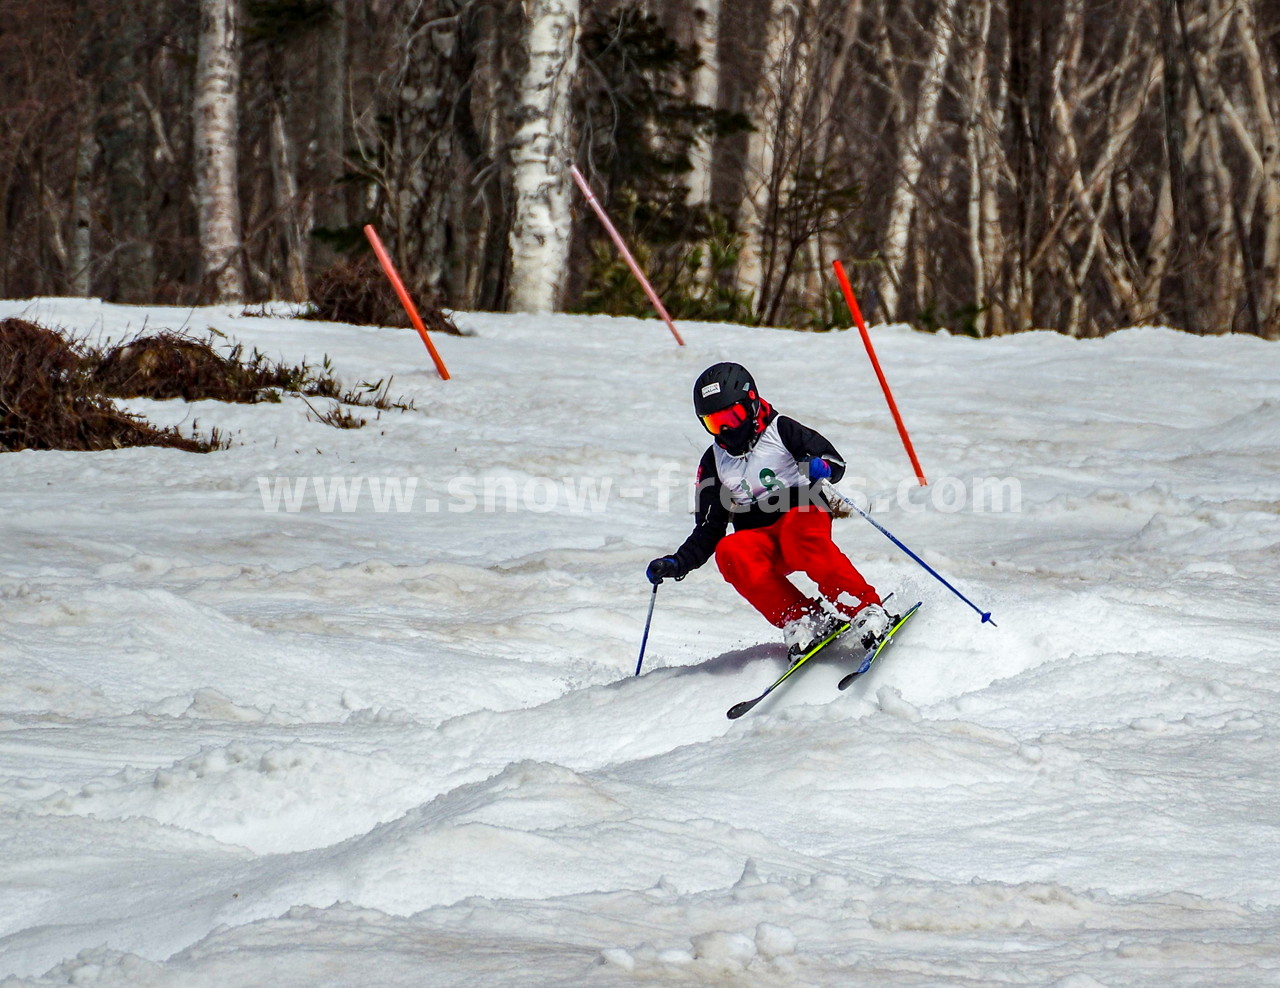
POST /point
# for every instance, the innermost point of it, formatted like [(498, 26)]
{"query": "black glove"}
[(659, 569)]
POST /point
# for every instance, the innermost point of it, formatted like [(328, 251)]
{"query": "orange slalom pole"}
[(376, 243), (626, 254), (875, 363)]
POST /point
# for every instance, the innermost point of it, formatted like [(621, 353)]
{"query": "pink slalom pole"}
[(875, 363), (626, 254)]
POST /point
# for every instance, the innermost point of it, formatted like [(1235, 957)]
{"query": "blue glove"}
[(662, 568), (819, 469)]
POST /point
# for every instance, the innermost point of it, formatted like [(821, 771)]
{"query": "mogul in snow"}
[(763, 473)]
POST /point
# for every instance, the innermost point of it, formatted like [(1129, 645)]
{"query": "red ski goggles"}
[(725, 418)]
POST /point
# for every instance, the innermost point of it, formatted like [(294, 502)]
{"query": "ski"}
[(874, 651), (738, 709)]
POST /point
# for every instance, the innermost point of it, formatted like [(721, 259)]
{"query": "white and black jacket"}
[(756, 489)]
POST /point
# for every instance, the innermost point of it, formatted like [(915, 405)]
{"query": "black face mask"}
[(738, 440)]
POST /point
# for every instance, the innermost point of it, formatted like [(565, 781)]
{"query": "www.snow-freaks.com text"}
[(667, 490)]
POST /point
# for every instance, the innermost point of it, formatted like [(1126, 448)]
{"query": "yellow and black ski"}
[(738, 709), (874, 652)]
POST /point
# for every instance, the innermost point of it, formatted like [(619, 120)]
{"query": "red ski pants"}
[(756, 562)]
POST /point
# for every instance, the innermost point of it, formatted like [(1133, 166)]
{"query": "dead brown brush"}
[(55, 394), (169, 365), (358, 292), (337, 416), (47, 401)]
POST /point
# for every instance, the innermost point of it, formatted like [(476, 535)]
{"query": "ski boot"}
[(805, 632), (870, 623)]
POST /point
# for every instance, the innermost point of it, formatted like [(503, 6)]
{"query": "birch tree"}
[(1217, 184), (216, 138), (762, 144), (705, 91), (982, 175), (81, 267), (798, 190), (541, 148), (917, 127), (289, 207), (80, 275)]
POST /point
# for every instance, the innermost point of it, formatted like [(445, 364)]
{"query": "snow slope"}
[(244, 746)]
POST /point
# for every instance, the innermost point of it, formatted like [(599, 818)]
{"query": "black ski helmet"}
[(720, 386)]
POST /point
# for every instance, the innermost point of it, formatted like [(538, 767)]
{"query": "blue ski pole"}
[(847, 502), (653, 599)]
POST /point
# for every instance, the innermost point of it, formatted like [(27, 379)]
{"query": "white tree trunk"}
[(81, 266), (760, 180), (778, 111), (911, 159), (216, 138), (1157, 259), (288, 204), (995, 165), (1218, 185), (540, 178), (976, 145), (706, 92)]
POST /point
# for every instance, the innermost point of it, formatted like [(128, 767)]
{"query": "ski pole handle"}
[(653, 599)]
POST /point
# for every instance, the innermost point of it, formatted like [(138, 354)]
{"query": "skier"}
[(763, 473)]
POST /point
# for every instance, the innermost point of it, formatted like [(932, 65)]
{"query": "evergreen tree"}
[(639, 128)]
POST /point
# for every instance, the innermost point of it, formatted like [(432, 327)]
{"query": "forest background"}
[(987, 166)]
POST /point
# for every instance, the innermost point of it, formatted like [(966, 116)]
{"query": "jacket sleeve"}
[(711, 519), (806, 444)]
